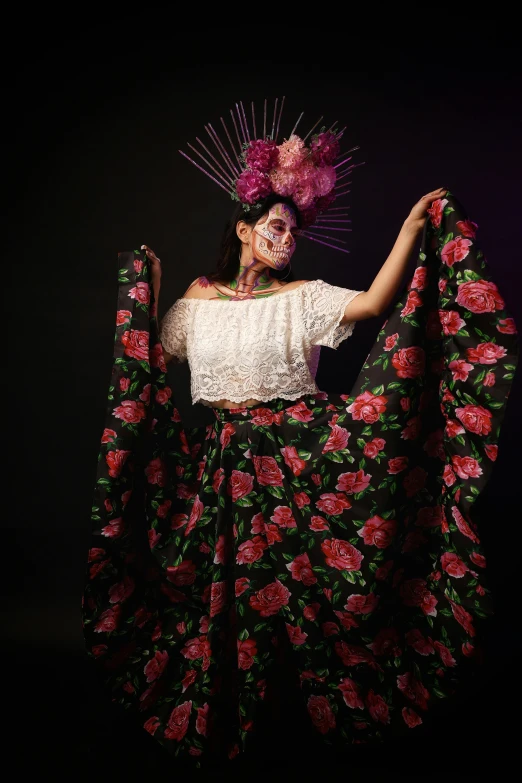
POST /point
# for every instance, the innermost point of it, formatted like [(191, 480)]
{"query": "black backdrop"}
[(97, 172)]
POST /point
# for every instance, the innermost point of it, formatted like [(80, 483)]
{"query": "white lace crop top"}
[(256, 348)]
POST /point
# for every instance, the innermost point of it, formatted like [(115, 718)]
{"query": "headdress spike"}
[(297, 123), (274, 119), (254, 120), (221, 147), (205, 172), (230, 142), (279, 119)]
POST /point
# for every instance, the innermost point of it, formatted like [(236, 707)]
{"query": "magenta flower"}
[(325, 148), (252, 186), (262, 156)]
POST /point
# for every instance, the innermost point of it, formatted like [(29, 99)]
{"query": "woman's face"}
[(273, 236)]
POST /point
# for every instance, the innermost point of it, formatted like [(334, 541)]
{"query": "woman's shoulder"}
[(203, 288)]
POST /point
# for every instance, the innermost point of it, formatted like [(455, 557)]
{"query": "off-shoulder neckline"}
[(258, 299)]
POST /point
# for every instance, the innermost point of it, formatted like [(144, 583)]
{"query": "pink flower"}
[(292, 153), (419, 279), (486, 353), (453, 564), (352, 483), (262, 155), (475, 419), (391, 341), (301, 570), (489, 379), (460, 369), (252, 186), (507, 326), (378, 532), (455, 250), (466, 467), (368, 407), (480, 296), (293, 460), (324, 148), (412, 302), (436, 211), (337, 440), (283, 181), (324, 180), (491, 451), (467, 228), (451, 321), (409, 362), (372, 449)]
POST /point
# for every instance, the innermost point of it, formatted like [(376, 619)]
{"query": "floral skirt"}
[(329, 535)]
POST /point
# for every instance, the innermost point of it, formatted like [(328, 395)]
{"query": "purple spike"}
[(279, 120), (314, 127), (320, 242), (335, 221), (219, 144), (297, 123), (324, 236), (230, 142), (237, 132), (216, 172), (342, 162), (329, 228), (330, 129), (343, 175), (264, 122), (254, 120), (245, 120), (205, 172), (338, 215), (335, 209), (238, 111), (344, 193), (225, 172), (274, 120)]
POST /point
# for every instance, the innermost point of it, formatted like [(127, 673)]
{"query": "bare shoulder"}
[(295, 284), (200, 288)]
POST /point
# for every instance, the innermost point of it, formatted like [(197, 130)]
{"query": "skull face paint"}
[(272, 240)]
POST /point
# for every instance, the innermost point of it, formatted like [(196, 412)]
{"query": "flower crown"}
[(259, 167)]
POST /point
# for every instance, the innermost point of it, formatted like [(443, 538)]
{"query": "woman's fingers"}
[(150, 253)]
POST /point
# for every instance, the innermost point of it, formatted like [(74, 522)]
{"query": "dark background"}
[(94, 141)]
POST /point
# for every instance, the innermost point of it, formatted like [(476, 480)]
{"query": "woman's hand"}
[(155, 263), (417, 217)]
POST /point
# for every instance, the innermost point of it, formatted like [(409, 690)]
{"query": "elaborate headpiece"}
[(258, 167)]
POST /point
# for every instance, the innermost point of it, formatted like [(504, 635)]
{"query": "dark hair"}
[(227, 265)]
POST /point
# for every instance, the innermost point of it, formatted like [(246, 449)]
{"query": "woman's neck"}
[(252, 276)]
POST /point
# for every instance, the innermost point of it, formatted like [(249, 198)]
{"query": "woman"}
[(329, 530)]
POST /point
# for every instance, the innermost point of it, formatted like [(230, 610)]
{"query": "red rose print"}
[(414, 592), (156, 666), (109, 620), (413, 301), (372, 449), (351, 483), (310, 612), (451, 321), (283, 517), (397, 465), (466, 467), (386, 642), (489, 379), (267, 471), (478, 559), (108, 435), (156, 472), (434, 446), (337, 440), (410, 717), (430, 516), (151, 725), (242, 584), (218, 596), (377, 707), (486, 353), (163, 510), (362, 604), (136, 344), (480, 296), (157, 359), (293, 460), (262, 417), (412, 429), (226, 432), (351, 694), (507, 326), (182, 574), (114, 529), (368, 407), (330, 629), (141, 293), (196, 648), (201, 723), (246, 650), (413, 689), (145, 394), (217, 480), (270, 599), (462, 525), (124, 384), (452, 564), (351, 654), (318, 523), (188, 679), (475, 418), (445, 654), (460, 369), (491, 451), (301, 499), (115, 461), (391, 341), (130, 411), (301, 570), (341, 555), (467, 228), (300, 412), (419, 279), (333, 504), (178, 722), (240, 484), (409, 362), (321, 714), (378, 532), (122, 316), (436, 211), (463, 617), (251, 550), (420, 644), (121, 590), (347, 620), (296, 634), (455, 250)]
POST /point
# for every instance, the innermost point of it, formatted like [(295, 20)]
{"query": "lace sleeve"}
[(323, 309), (173, 329)]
